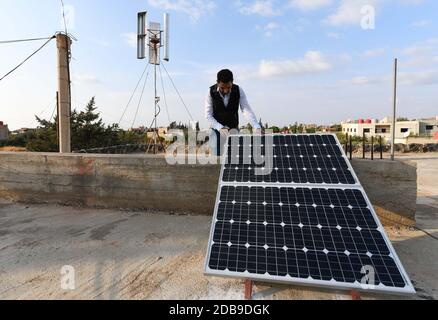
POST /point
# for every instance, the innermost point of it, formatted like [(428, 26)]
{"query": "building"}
[(383, 128), (4, 131), (23, 131)]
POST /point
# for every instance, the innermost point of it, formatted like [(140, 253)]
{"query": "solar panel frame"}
[(408, 289)]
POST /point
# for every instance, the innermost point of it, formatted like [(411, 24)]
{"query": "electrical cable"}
[(24, 40), (176, 89), (133, 93), (139, 101), (24, 61), (164, 94)]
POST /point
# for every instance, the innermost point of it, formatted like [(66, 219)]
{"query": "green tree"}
[(45, 138), (87, 132), (275, 129)]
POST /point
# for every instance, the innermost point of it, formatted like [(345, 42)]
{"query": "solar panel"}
[(295, 159), (302, 232)]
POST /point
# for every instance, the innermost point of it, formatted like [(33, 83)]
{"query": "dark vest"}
[(229, 115)]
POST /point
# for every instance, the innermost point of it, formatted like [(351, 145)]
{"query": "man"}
[(222, 110)]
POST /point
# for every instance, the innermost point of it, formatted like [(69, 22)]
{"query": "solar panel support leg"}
[(355, 295), (248, 289)]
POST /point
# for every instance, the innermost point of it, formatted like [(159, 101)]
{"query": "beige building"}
[(4, 131), (383, 128)]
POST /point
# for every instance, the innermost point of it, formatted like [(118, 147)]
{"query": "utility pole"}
[(394, 113), (63, 44)]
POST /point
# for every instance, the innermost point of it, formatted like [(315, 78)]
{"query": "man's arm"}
[(209, 113), (247, 110)]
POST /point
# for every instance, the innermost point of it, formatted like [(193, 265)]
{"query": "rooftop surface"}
[(152, 255)]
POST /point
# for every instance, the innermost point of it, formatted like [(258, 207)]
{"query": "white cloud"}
[(423, 53), (419, 78), (374, 53), (365, 80), (308, 5), (421, 23), (195, 9), (268, 29), (429, 77), (333, 35), (272, 26), (265, 8), (313, 62), (349, 12), (85, 79), (131, 39)]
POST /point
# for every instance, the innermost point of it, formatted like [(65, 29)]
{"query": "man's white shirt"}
[(244, 106)]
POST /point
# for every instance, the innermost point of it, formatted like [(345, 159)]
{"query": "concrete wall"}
[(391, 187), (148, 182), (121, 181)]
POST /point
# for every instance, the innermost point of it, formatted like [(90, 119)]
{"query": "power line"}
[(176, 89), (139, 101), (35, 52), (24, 40)]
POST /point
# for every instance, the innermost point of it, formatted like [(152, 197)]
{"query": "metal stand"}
[(156, 136), (248, 289)]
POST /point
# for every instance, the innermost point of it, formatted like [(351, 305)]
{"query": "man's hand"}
[(257, 132), (224, 133)]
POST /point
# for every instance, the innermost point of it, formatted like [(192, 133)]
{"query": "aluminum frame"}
[(407, 290)]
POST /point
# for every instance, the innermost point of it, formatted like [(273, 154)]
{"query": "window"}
[(429, 127), (404, 130), (366, 130), (383, 130)]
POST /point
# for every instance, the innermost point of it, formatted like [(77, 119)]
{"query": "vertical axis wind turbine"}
[(152, 37)]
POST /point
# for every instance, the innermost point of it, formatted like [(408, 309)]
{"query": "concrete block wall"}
[(148, 182), (391, 187), (132, 182)]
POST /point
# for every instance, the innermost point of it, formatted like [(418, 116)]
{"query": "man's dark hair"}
[(225, 76)]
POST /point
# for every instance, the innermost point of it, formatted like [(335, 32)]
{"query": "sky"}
[(311, 61)]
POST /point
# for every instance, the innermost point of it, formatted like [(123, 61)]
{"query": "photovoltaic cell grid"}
[(295, 159), (318, 235)]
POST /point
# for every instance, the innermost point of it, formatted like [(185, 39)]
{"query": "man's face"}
[(225, 88)]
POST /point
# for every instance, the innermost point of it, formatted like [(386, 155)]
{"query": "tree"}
[(172, 125), (275, 129), (45, 138), (87, 132)]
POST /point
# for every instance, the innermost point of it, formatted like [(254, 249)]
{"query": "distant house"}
[(4, 131), (23, 130), (383, 128)]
